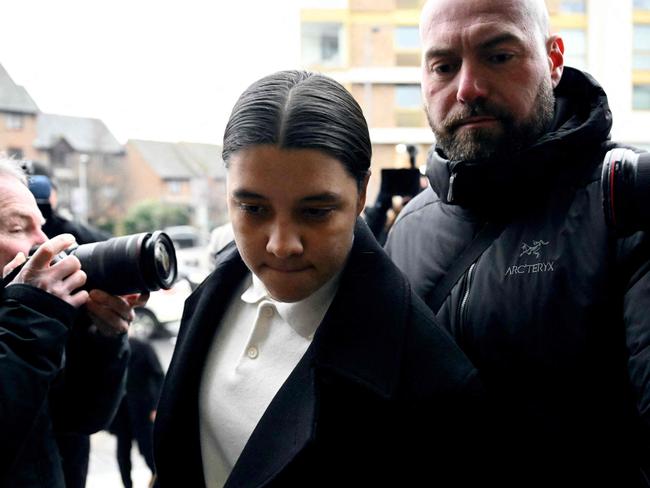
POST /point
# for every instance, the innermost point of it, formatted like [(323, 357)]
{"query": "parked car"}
[(191, 252), (163, 311)]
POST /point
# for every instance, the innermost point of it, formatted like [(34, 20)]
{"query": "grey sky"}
[(151, 69)]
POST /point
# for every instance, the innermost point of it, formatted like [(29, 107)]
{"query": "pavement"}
[(103, 471)]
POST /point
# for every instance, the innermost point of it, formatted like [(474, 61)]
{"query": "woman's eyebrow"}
[(246, 194), (325, 197)]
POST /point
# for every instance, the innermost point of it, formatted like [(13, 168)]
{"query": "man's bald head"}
[(530, 15)]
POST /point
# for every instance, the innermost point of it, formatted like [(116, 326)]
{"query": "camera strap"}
[(483, 239)]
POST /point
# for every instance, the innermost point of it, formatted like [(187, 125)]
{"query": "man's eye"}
[(500, 58), (444, 70)]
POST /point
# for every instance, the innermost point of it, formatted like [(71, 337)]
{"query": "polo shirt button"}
[(252, 352), (267, 312)]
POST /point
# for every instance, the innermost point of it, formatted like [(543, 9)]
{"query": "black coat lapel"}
[(362, 335)]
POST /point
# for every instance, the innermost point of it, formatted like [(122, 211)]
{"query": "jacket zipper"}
[(462, 307), (450, 192)]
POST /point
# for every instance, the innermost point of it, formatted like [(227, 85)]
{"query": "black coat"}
[(381, 394), (555, 314), (54, 377)]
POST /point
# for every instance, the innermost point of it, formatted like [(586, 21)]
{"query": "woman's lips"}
[(287, 268)]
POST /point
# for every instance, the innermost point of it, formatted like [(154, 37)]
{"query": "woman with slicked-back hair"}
[(305, 359)]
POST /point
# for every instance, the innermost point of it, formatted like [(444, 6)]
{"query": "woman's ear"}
[(361, 202), (555, 53)]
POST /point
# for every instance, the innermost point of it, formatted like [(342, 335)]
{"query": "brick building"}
[(18, 114), (184, 173)]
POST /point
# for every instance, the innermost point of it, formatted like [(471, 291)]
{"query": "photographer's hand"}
[(61, 279), (113, 314)]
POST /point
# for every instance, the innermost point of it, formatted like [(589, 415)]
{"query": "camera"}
[(403, 182), (625, 183), (136, 263)]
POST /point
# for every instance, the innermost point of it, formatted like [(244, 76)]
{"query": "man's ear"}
[(361, 202), (555, 53)]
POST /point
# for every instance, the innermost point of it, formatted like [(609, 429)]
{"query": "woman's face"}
[(293, 213)]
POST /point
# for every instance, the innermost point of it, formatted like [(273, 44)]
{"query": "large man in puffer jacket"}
[(555, 312)]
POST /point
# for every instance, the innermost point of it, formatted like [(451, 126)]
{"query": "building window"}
[(641, 58), (408, 97), (14, 121), (322, 44), (407, 37), (573, 6), (174, 187), (407, 4), (408, 106), (641, 97), (642, 4), (575, 44)]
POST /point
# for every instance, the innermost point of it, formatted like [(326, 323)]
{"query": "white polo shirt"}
[(258, 344)]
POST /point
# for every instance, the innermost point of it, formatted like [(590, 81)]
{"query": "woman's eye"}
[(317, 213), (251, 209)]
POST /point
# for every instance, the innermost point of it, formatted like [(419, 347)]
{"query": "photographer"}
[(397, 188), (57, 374)]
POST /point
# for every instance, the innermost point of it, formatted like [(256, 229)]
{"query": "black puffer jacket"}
[(555, 314)]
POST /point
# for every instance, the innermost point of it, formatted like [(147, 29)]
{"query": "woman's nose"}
[(284, 241)]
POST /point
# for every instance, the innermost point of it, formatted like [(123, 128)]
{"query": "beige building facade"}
[(372, 47)]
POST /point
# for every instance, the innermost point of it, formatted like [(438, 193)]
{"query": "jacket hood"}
[(582, 122)]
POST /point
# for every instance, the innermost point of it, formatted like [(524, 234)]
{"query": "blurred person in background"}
[(60, 371), (220, 237), (44, 188), (135, 417), (397, 187), (74, 448)]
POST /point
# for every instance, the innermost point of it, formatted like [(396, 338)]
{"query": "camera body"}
[(625, 184), (136, 263), (404, 182)]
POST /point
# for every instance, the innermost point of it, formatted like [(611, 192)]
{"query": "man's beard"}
[(486, 143)]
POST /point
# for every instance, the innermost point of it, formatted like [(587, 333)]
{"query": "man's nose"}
[(284, 240), (39, 238), (472, 85)]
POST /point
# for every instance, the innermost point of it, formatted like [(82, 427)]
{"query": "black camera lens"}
[(130, 264), (625, 184)]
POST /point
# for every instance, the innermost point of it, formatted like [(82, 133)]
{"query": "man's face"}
[(293, 214), (487, 79), (20, 220)]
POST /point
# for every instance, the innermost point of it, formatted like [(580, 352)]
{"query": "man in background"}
[(511, 248)]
